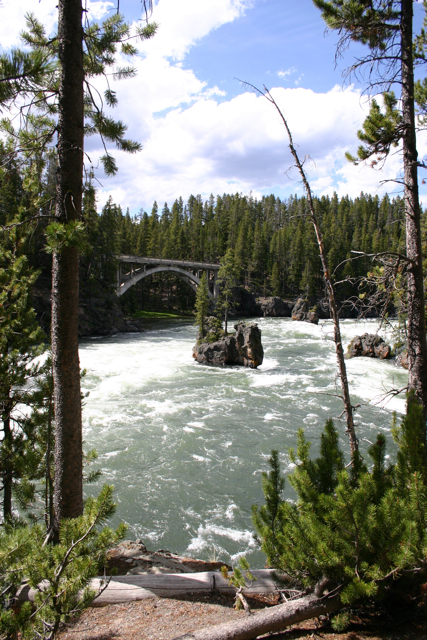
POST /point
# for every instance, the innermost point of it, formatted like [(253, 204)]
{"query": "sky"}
[(202, 130)]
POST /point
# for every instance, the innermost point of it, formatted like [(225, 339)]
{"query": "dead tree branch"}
[(348, 408)]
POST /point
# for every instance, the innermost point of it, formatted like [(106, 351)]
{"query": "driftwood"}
[(170, 585), (269, 620)]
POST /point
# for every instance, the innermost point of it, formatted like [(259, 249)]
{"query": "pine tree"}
[(275, 280), (228, 276), (202, 305), (21, 342), (60, 574), (360, 530), (81, 55), (386, 28)]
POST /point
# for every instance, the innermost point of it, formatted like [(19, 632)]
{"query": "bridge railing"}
[(166, 261)]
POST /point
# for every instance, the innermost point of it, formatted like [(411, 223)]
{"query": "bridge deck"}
[(175, 263)]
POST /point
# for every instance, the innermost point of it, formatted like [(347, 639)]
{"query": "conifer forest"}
[(273, 241)]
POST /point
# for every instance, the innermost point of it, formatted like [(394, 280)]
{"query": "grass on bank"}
[(157, 314)]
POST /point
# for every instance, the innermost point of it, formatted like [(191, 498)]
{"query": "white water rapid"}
[(185, 444)]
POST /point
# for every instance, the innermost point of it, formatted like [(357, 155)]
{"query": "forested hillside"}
[(273, 240)]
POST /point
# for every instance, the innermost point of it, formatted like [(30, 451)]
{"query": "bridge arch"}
[(138, 275), (190, 272)]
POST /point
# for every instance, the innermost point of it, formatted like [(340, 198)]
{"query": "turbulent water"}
[(185, 444)]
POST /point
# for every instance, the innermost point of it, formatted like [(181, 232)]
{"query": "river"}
[(185, 444)]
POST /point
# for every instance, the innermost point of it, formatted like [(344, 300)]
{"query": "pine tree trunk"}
[(417, 349), (7, 467), (49, 484), (348, 409), (65, 268)]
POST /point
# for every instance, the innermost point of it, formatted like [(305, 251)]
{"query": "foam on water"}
[(185, 444)]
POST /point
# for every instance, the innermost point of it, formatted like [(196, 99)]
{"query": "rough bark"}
[(417, 348), (65, 269), (268, 620), (7, 468)]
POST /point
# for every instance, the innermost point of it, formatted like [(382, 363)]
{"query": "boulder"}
[(241, 348), (370, 346), (402, 360), (303, 312), (275, 307)]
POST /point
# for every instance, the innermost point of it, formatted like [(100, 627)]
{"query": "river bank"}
[(166, 619), (102, 313)]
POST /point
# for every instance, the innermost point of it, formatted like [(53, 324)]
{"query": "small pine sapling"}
[(228, 277), (59, 573), (238, 578), (214, 329)]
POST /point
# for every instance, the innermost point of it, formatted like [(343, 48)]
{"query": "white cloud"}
[(287, 73), (241, 145), (12, 18), (183, 23), (197, 141), (98, 9)]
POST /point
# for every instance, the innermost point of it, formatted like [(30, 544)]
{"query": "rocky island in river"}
[(241, 348)]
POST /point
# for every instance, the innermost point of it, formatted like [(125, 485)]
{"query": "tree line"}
[(273, 240)]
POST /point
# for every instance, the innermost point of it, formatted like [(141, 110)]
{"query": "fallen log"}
[(276, 618), (168, 585)]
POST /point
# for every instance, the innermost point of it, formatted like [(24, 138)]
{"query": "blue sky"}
[(201, 130)]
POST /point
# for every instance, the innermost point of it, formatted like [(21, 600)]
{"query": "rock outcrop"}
[(275, 307), (99, 315), (302, 311), (242, 348), (370, 346), (244, 304), (402, 359), (103, 316)]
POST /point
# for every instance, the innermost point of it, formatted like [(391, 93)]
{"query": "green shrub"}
[(59, 573), (363, 530)]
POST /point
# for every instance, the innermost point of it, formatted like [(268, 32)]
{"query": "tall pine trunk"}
[(417, 349), (65, 269), (7, 466)]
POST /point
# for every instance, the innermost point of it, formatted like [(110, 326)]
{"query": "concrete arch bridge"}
[(131, 269)]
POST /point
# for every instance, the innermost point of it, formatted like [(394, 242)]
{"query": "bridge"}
[(131, 269)]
